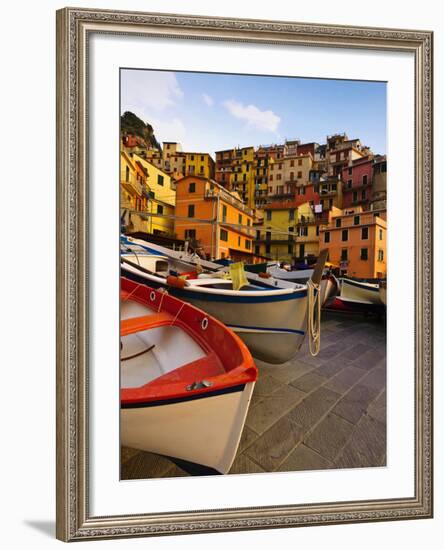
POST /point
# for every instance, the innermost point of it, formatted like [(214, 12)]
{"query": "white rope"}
[(314, 317), (178, 313), (162, 292)]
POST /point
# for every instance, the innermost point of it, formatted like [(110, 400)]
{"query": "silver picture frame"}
[(74, 26)]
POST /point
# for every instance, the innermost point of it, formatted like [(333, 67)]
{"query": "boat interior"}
[(149, 354), (153, 263)]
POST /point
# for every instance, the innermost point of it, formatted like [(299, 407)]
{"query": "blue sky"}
[(208, 112)]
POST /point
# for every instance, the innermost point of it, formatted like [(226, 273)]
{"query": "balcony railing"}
[(231, 200), (132, 186), (355, 187)]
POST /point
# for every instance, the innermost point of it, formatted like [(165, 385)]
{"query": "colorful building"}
[(379, 190), (330, 192), (285, 175), (290, 230), (356, 242), (357, 180), (235, 170), (261, 161), (341, 152), (213, 219), (178, 163), (134, 194), (161, 198), (199, 164)]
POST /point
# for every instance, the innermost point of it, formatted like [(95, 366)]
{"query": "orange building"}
[(356, 242), (213, 218)]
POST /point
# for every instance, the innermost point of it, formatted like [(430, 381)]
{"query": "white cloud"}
[(262, 120), (208, 100), (169, 130), (141, 90)]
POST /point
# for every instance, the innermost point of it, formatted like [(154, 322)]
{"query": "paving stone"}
[(369, 359), (247, 438), (244, 465), (255, 399), (288, 371), (355, 351), (303, 458), (378, 408), (376, 379), (266, 385), (126, 453), (366, 446), (263, 415), (330, 368), (355, 402), (307, 413), (145, 466), (308, 359), (345, 379), (329, 436), (330, 351), (309, 382), (271, 449)]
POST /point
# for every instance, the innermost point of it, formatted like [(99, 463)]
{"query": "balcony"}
[(274, 241), (323, 193), (283, 196), (132, 186), (356, 187), (357, 202), (304, 220), (212, 194), (147, 193)]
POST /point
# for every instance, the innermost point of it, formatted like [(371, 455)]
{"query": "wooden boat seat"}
[(145, 322)]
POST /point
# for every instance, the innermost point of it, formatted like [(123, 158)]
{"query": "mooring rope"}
[(314, 317)]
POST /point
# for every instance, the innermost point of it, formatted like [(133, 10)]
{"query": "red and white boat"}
[(186, 380)]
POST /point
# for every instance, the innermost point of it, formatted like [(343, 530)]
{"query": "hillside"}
[(132, 124)]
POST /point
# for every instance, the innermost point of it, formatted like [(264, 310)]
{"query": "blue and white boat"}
[(269, 315)]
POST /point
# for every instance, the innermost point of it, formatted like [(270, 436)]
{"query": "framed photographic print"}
[(244, 274)]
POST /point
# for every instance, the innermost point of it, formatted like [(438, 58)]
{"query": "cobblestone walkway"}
[(311, 413)]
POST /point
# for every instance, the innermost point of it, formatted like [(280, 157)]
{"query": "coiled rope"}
[(314, 317)]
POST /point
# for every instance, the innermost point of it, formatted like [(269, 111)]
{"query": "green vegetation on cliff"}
[(132, 124)]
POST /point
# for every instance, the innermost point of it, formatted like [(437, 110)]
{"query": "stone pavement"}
[(311, 413)]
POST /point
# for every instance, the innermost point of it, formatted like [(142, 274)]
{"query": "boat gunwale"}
[(270, 292), (242, 373)]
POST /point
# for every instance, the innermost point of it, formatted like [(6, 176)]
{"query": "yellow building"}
[(199, 164), (243, 174), (289, 232), (134, 193), (235, 170), (161, 198), (178, 163)]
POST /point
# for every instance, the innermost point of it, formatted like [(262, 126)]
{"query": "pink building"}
[(357, 183)]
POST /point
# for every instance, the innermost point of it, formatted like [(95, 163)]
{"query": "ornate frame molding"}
[(73, 28)]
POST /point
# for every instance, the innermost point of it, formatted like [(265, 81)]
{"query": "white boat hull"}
[(296, 276), (204, 431), (273, 331), (272, 323), (355, 291)]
